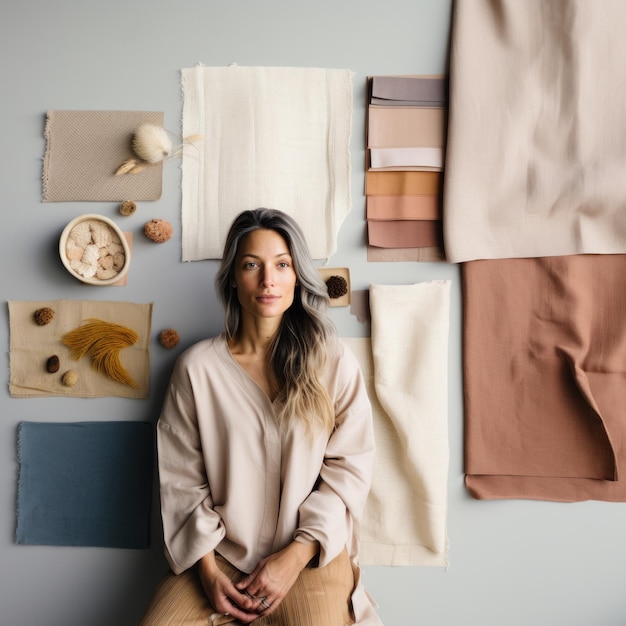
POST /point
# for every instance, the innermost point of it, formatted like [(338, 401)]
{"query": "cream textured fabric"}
[(536, 148), (31, 345), (273, 137), (406, 369), (85, 148)]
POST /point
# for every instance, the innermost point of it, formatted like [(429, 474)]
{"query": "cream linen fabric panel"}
[(536, 149), (405, 366), (275, 137)]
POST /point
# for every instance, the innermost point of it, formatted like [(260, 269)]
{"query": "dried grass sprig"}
[(103, 341)]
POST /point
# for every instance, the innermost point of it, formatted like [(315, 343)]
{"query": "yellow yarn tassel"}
[(103, 341)]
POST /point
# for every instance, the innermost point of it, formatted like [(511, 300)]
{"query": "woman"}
[(265, 450)]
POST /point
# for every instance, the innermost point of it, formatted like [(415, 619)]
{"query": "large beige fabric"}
[(536, 148), (275, 137), (406, 366), (31, 345), (231, 481)]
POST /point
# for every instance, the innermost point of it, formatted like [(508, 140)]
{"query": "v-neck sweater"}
[(234, 482)]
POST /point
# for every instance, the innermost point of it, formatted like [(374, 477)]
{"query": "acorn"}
[(53, 364)]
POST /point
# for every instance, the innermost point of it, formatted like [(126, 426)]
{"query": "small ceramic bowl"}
[(94, 250)]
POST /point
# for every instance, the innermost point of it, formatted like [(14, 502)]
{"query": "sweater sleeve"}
[(191, 526), (331, 513)]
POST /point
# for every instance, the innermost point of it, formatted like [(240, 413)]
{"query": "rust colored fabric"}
[(545, 377), (398, 183), (319, 597), (405, 234)]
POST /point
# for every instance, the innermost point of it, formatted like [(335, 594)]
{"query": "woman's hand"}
[(273, 577), (222, 593)]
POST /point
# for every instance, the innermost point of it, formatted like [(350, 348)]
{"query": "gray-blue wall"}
[(511, 563)]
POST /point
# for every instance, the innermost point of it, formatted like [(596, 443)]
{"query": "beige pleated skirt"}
[(319, 597)]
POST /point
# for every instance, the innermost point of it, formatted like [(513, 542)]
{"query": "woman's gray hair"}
[(312, 294), (298, 351)]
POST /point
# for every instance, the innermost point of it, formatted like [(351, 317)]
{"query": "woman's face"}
[(263, 275)]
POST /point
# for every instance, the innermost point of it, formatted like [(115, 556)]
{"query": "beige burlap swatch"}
[(31, 345)]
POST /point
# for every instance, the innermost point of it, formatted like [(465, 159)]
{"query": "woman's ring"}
[(264, 603)]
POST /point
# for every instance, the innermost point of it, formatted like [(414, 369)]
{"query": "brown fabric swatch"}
[(404, 234), (545, 377)]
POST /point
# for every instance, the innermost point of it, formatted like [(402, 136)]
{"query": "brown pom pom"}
[(158, 230), (128, 207), (337, 286), (169, 338), (44, 316)]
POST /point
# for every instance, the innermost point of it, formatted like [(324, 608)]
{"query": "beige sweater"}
[(232, 482)]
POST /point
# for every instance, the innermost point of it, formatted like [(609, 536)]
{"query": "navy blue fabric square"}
[(84, 484)]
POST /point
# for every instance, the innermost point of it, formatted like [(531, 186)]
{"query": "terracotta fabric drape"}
[(545, 377)]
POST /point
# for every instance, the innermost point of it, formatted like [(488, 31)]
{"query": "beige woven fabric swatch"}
[(31, 345), (85, 148)]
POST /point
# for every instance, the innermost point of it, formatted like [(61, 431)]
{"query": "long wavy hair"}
[(297, 353)]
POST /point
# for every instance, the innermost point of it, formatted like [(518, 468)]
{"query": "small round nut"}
[(53, 364), (70, 378), (128, 207), (169, 338), (44, 316)]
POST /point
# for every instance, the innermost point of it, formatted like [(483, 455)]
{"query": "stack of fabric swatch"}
[(406, 133)]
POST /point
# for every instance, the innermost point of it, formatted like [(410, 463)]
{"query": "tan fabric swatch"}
[(536, 155), (404, 234), (31, 345), (403, 207), (387, 255), (545, 377), (85, 148), (402, 183), (398, 127)]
